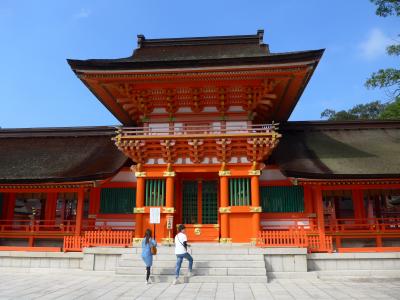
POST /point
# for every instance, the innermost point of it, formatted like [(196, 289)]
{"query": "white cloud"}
[(375, 44), (83, 13)]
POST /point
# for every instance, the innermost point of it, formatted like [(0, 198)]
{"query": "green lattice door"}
[(210, 202), (192, 201), (189, 202)]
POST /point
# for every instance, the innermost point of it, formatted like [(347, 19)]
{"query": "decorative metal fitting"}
[(225, 210)]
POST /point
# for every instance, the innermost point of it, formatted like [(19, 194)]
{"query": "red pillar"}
[(79, 211), (140, 186), (10, 206), (255, 203), (94, 202), (50, 208), (169, 200), (224, 194), (358, 204), (94, 206), (308, 205), (319, 209), (4, 208)]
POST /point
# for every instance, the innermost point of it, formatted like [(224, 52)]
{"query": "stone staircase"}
[(212, 263)]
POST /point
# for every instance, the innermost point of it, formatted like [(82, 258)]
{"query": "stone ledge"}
[(283, 251), (29, 254), (361, 255), (109, 250)]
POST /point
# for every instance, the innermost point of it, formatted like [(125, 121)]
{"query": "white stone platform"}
[(105, 286), (212, 263)]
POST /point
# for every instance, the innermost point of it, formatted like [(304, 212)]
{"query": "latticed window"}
[(209, 202), (117, 200), (239, 191), (282, 199), (155, 192), (189, 202)]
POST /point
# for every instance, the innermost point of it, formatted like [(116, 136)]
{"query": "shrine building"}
[(205, 137)]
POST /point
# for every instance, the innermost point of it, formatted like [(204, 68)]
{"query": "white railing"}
[(198, 130)]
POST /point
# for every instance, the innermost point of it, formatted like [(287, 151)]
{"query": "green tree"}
[(368, 111), (384, 78), (390, 77)]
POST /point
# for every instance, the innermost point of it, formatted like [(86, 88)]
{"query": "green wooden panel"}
[(282, 199), (209, 202), (189, 202), (117, 200), (239, 191), (155, 192)]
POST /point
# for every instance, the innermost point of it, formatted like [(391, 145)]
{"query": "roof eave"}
[(125, 64)]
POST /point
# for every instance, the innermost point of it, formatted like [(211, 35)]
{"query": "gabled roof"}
[(204, 64), (58, 154), (339, 150), (197, 52)]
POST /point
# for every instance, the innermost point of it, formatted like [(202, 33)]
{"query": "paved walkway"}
[(103, 286)]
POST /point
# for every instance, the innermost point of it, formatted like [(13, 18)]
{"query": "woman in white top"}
[(181, 252)]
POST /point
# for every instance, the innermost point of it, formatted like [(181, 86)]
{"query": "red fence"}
[(107, 238), (98, 238), (73, 243), (364, 225), (295, 238), (12, 226)]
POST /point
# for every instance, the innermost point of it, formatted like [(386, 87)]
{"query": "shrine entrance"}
[(198, 199)]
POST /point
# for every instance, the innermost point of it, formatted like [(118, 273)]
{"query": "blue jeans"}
[(179, 259)]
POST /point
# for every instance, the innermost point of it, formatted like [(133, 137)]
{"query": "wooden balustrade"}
[(295, 238), (108, 238), (98, 238), (31, 226), (73, 243)]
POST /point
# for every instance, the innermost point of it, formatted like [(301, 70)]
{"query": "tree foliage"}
[(390, 77), (368, 111), (387, 7), (384, 78)]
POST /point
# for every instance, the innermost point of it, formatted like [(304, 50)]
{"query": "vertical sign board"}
[(155, 215)]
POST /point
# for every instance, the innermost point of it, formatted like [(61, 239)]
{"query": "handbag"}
[(153, 250)]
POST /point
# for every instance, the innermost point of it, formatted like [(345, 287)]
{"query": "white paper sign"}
[(154, 215)]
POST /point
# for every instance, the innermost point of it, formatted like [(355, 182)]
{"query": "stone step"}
[(205, 250), (341, 274), (200, 257), (197, 264), (200, 279), (196, 271)]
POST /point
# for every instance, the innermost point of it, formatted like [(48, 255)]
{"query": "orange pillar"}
[(308, 205), (358, 204), (255, 203), (79, 211), (224, 195), (4, 208), (10, 206), (169, 202), (319, 209), (94, 201), (50, 208), (140, 186), (94, 206)]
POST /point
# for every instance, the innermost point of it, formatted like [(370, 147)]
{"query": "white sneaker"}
[(176, 281), (149, 281), (189, 274)]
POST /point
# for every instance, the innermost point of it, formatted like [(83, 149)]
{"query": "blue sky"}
[(38, 89)]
